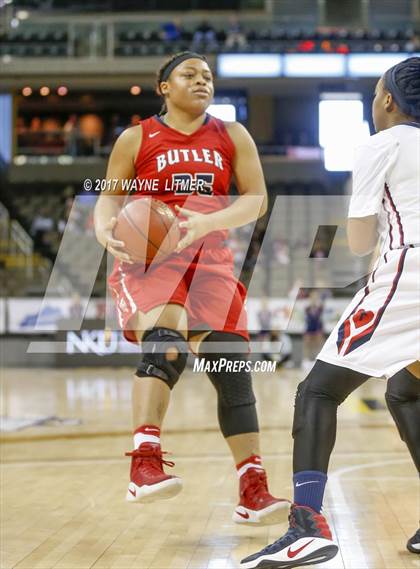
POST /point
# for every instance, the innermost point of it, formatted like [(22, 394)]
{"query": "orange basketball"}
[(149, 229)]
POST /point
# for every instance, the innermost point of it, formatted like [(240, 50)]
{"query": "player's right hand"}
[(106, 237)]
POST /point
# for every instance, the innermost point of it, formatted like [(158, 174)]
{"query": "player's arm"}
[(120, 167), (247, 169), (362, 234), (371, 164), (249, 206)]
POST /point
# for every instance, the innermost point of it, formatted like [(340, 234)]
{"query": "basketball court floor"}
[(63, 484)]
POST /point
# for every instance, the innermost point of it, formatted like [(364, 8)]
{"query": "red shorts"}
[(203, 284)]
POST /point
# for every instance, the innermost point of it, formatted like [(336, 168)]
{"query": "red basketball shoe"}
[(256, 505), (148, 480)]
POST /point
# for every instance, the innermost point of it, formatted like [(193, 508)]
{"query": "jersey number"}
[(184, 184)]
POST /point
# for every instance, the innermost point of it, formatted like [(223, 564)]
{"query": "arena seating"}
[(140, 40), (34, 44)]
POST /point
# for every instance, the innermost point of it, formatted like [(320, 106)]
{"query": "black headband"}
[(174, 63)]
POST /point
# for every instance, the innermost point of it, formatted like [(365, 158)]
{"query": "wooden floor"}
[(63, 487)]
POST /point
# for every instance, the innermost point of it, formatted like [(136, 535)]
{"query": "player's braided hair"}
[(403, 82), (163, 68)]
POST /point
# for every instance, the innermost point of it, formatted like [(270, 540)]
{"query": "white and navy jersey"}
[(379, 332), (386, 182)]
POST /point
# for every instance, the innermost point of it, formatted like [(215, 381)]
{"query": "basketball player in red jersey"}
[(192, 299)]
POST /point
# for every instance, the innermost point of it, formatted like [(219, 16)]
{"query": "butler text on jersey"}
[(176, 156)]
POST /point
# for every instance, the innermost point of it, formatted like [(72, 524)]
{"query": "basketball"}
[(149, 228)]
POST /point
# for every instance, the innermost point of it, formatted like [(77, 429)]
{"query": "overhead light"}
[(44, 91), (249, 65), (26, 91), (62, 90), (373, 65), (14, 23), (314, 65), (135, 90), (65, 159), (226, 112), (341, 113), (22, 14)]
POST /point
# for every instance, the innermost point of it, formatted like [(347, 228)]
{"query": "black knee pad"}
[(327, 383), (233, 382), (154, 361), (402, 388), (403, 399), (315, 418), (231, 377)]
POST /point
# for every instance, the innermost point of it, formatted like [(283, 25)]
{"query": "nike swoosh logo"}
[(152, 134), (303, 483), (246, 515), (133, 492), (291, 554)]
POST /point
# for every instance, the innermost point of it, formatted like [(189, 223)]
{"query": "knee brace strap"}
[(155, 363)]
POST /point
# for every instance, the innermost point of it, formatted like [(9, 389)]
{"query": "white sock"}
[(146, 434)]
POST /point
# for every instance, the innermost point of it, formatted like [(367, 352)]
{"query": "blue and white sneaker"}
[(413, 544), (308, 541)]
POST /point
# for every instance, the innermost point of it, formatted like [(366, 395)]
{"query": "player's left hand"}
[(197, 225)]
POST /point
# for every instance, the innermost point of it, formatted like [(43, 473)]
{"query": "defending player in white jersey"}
[(379, 332)]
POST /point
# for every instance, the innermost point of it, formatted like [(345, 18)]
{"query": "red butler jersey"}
[(174, 167), (194, 170)]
